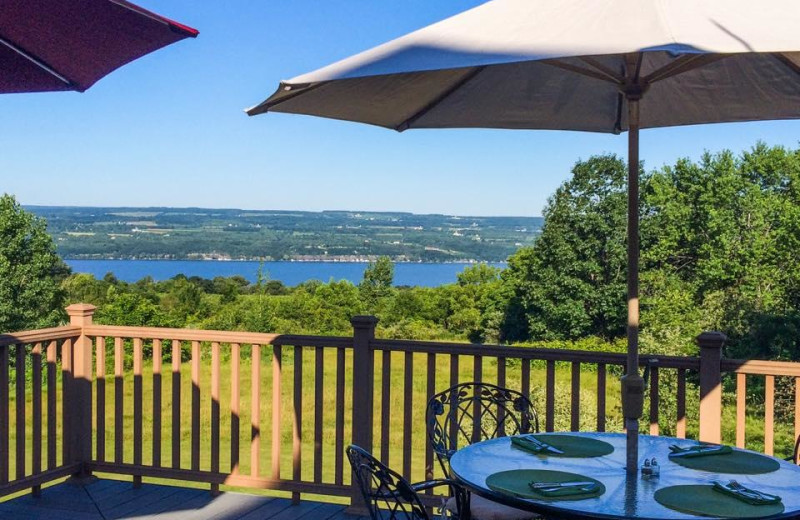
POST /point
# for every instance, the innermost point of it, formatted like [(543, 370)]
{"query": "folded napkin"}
[(534, 446), (700, 450), (562, 489), (751, 496)]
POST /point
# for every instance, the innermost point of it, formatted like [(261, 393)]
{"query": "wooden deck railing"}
[(268, 411)]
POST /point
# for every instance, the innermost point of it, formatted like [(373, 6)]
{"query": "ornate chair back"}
[(388, 495), (471, 412)]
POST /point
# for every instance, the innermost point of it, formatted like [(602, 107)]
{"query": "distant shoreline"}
[(268, 260), (421, 274)]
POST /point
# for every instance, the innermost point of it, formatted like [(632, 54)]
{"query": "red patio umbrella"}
[(51, 45)]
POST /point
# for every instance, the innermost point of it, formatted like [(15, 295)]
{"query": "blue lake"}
[(290, 273)]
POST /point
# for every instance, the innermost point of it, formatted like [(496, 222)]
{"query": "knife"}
[(543, 445), (554, 485)]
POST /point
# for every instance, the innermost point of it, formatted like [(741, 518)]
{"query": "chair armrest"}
[(430, 484)]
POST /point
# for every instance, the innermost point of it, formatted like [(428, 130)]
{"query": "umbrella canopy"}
[(591, 65), (560, 64), (51, 45)]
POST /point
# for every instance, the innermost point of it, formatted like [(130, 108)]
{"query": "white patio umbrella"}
[(593, 65)]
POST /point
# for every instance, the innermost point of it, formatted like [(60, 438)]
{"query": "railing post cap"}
[(711, 339), (81, 309), (364, 322)]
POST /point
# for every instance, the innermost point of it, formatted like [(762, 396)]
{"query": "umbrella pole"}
[(632, 383)]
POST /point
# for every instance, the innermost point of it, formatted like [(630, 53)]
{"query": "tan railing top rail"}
[(38, 336), (761, 367), (219, 336)]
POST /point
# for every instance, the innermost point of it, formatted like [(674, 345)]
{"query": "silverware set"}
[(542, 445), (550, 486), (747, 492)]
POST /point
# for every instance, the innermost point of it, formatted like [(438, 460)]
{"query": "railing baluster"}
[(550, 396), (654, 400), (525, 377), (119, 396), (195, 405), (386, 388), (157, 365), (235, 406), (452, 434), (319, 360), (100, 413), (601, 397), (741, 410), (4, 414), (501, 382), (454, 376), (680, 425), (215, 413), (66, 396), (797, 411), (36, 410), (297, 423), (431, 389), (339, 440), (769, 414), (477, 376), (137, 408), (176, 403), (276, 411), (19, 376), (575, 404), (255, 412), (477, 369), (408, 404), (52, 401)]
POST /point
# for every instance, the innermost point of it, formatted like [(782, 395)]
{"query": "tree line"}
[(719, 240)]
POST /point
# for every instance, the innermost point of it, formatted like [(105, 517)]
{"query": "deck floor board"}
[(109, 499)]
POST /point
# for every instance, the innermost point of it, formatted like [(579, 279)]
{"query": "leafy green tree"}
[(184, 302), (377, 282), (228, 288), (31, 272), (571, 283), (85, 288), (130, 309)]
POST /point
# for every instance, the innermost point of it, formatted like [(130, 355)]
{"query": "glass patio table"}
[(624, 497)]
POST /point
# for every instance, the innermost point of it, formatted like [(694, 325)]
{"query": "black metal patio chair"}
[(472, 412), (389, 496), (795, 458)]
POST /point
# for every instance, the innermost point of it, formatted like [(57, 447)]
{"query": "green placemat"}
[(515, 483), (703, 500), (573, 446), (737, 462)]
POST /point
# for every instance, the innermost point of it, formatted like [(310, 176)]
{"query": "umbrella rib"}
[(681, 65), (781, 57), (39, 63), (160, 19), (602, 68), (581, 70), (405, 125), (294, 91)]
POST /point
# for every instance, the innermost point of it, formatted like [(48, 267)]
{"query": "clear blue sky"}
[(169, 129)]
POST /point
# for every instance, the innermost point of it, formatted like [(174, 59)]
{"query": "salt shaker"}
[(655, 469)]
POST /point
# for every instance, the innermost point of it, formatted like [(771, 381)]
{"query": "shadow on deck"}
[(107, 499)]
